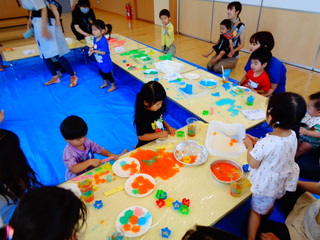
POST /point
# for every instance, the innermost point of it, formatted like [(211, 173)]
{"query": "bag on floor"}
[(32, 5)]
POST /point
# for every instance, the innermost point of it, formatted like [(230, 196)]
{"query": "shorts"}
[(107, 76), (262, 204)]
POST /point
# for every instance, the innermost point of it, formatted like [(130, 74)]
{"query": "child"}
[(78, 154), (257, 78), (167, 33), (224, 44), (276, 70), (208, 233), (16, 175), (149, 108), (274, 170), (56, 10), (101, 52), (47, 213), (310, 131)]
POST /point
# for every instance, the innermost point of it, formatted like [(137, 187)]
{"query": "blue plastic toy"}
[(165, 232)]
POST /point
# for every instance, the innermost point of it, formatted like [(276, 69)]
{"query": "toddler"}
[(167, 33), (56, 9), (257, 78), (224, 44), (78, 155), (271, 158), (310, 130), (149, 109), (101, 52)]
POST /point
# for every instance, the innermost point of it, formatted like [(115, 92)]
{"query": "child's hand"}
[(115, 156), (268, 236), (171, 131), (253, 139), (90, 51), (248, 142), (95, 162), (163, 134), (303, 131)]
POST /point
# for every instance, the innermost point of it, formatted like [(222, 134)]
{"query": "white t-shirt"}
[(278, 171)]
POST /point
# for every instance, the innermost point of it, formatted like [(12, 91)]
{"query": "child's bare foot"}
[(113, 87), (104, 85), (54, 79), (2, 70)]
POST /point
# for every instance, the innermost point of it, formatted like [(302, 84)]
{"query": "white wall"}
[(158, 6)]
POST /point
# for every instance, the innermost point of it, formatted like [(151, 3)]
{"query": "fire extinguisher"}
[(128, 11)]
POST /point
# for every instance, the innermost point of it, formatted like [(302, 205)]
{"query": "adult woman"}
[(51, 43), (16, 176), (276, 70), (82, 17), (238, 27)]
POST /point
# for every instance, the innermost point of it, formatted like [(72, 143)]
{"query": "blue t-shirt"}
[(104, 61), (277, 73)]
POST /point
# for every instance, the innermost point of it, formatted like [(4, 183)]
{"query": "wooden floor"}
[(299, 80)]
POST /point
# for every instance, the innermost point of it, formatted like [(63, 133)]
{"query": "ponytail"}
[(109, 30)]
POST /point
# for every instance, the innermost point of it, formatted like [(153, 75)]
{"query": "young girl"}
[(274, 170), (101, 52), (149, 109), (46, 213), (78, 155), (16, 176)]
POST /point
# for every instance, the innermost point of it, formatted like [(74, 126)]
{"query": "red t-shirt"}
[(262, 82)]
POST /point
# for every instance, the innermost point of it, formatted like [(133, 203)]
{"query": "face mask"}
[(84, 10)]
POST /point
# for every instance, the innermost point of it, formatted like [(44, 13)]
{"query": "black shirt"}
[(83, 20)]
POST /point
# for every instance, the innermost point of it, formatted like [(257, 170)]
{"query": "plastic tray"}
[(225, 140)]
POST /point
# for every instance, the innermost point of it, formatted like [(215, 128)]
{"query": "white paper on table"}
[(173, 76), (29, 51), (119, 49), (255, 114)]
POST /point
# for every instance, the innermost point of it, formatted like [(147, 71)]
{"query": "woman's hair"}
[(286, 109), (48, 213), (73, 127), (102, 26), (16, 175), (150, 93), (237, 6), (84, 3), (316, 96), (208, 233), (265, 39)]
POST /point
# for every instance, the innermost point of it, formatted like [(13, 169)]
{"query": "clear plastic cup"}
[(192, 126)]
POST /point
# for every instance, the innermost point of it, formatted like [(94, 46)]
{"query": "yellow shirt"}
[(167, 37)]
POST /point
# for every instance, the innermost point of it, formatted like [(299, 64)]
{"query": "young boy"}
[(56, 9), (310, 130), (167, 33), (224, 44), (257, 78), (78, 155)]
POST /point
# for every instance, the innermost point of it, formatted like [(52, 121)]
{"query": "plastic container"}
[(223, 170), (168, 66), (191, 89), (150, 74), (225, 140), (208, 83)]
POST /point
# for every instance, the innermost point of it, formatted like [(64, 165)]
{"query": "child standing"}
[(224, 44), (101, 52), (274, 170), (78, 155), (167, 33), (310, 131), (149, 109), (257, 78)]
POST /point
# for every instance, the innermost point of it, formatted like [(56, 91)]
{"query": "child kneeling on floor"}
[(78, 155)]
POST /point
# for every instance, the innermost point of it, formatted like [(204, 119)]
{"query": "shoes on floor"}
[(73, 81), (55, 79)]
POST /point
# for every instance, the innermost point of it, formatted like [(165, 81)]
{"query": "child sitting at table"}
[(224, 44), (101, 52), (46, 213), (149, 109), (208, 233), (310, 129), (78, 155), (257, 78), (273, 169)]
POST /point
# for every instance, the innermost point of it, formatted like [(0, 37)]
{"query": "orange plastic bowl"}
[(226, 171)]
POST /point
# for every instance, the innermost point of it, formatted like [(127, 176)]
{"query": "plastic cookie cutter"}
[(160, 194), (160, 203), (116, 236), (186, 202), (176, 205), (184, 210), (98, 204), (165, 232)]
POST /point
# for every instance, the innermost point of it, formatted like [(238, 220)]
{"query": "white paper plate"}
[(143, 215), (241, 90), (134, 191), (117, 167), (189, 148), (191, 76), (73, 187)]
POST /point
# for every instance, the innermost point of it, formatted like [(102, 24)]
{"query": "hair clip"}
[(277, 122), (10, 232)]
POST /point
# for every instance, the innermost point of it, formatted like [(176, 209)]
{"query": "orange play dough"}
[(225, 172)]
